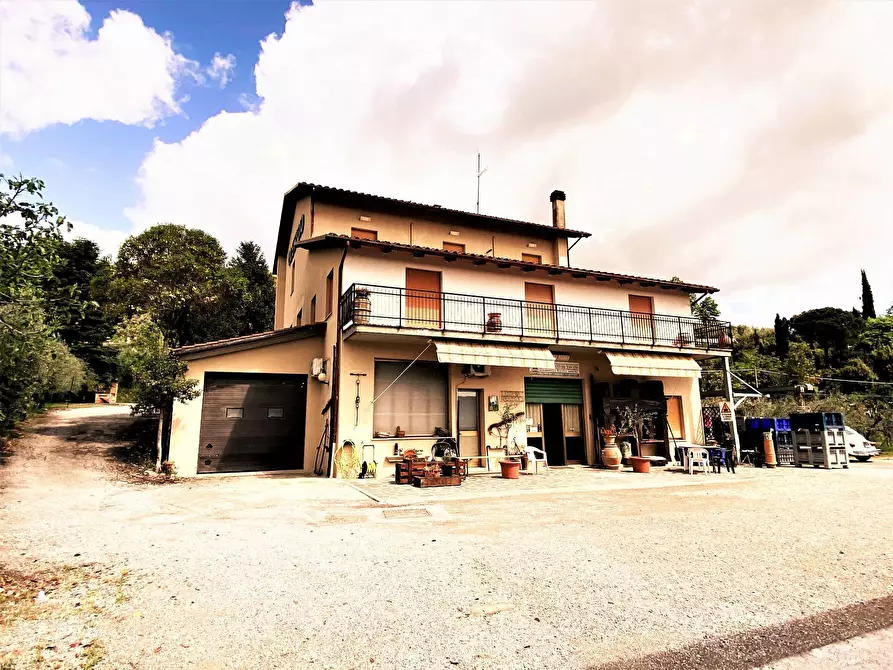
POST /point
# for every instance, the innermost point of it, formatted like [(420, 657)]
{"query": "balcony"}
[(386, 307)]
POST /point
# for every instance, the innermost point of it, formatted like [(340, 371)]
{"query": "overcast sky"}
[(741, 144)]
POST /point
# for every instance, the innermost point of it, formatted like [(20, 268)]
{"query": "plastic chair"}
[(536, 456), (698, 458)]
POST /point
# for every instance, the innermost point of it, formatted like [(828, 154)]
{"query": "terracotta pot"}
[(525, 462), (494, 322), (611, 458), (362, 307), (510, 469), (641, 464), (610, 439)]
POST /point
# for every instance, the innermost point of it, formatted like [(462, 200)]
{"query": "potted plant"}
[(362, 305), (641, 464), (494, 322), (446, 465), (510, 466), (610, 453)]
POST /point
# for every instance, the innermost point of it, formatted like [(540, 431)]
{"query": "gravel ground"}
[(286, 572)]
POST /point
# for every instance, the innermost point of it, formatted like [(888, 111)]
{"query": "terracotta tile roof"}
[(248, 341), (333, 240), (408, 207)]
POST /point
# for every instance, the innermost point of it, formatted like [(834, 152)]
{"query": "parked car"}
[(858, 447)]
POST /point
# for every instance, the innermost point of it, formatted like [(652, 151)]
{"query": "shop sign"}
[(562, 369), (725, 412), (512, 397)]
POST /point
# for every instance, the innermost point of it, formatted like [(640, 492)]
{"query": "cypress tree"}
[(867, 299), (782, 336)]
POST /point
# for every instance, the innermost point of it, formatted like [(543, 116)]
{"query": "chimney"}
[(557, 199)]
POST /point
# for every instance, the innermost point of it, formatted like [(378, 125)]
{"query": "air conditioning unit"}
[(476, 370), (318, 367)]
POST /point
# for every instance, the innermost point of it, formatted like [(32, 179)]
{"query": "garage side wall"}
[(284, 358)]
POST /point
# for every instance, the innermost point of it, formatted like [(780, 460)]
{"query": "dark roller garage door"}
[(252, 422)]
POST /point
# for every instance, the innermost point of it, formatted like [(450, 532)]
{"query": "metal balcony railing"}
[(367, 304)]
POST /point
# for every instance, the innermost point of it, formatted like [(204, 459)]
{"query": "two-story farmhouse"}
[(398, 322)]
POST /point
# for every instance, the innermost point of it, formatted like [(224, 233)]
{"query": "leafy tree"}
[(782, 336), (30, 236), (174, 274), (32, 364), (258, 297), (867, 299), (157, 375), (876, 346), (85, 322), (800, 364), (829, 329)]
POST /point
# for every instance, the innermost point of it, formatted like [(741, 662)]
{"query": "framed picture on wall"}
[(493, 403)]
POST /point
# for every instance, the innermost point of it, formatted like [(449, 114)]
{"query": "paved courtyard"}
[(556, 480), (576, 569)]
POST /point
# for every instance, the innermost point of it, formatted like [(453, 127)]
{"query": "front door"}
[(422, 299), (469, 415), (553, 434), (539, 310)]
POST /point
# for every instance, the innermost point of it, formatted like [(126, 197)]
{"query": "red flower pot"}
[(641, 464), (510, 469)]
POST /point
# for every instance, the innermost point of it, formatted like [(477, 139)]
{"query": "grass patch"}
[(93, 655)]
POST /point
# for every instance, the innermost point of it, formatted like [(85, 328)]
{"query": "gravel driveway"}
[(291, 572)]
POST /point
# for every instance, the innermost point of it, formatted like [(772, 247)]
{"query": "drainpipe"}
[(336, 367)]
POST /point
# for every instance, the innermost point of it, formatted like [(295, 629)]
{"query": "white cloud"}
[(109, 241), (744, 144), (221, 68), (52, 71)]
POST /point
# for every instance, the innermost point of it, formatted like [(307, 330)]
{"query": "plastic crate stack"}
[(782, 438), (819, 440)]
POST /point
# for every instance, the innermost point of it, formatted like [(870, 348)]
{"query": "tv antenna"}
[(479, 173)]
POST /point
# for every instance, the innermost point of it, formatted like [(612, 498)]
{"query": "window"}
[(300, 318), (275, 412), (417, 402), (330, 281), (453, 246), (364, 234), (531, 258), (234, 412), (313, 309)]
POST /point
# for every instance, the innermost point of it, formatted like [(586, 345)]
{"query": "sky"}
[(743, 144)]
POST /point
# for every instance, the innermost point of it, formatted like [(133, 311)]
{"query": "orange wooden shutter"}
[(539, 319), (674, 417), (423, 298)]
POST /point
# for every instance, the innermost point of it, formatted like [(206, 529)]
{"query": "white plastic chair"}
[(698, 458), (533, 457)]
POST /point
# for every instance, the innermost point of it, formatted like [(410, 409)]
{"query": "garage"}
[(252, 422)]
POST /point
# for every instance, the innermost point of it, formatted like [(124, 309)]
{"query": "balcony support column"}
[(730, 395)]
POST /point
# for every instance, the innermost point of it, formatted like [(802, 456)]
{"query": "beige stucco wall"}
[(363, 267), (427, 233), (285, 358), (360, 355)]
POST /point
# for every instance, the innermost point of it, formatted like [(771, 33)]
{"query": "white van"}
[(858, 447)]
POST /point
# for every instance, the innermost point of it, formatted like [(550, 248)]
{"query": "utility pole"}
[(479, 173)]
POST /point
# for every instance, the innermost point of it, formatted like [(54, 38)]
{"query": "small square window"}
[(234, 412), (275, 412)]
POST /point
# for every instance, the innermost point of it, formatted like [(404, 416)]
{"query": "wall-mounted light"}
[(531, 245), (364, 218), (454, 233)]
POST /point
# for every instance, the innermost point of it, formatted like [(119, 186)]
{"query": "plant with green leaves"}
[(157, 375)]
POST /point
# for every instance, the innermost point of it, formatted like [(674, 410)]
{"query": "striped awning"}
[(504, 355), (653, 365)]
